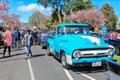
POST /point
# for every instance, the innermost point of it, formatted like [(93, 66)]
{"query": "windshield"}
[(75, 30)]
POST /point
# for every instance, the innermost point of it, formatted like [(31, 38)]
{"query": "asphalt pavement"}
[(43, 67)]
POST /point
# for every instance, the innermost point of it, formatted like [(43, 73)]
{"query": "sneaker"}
[(31, 55), (26, 58)]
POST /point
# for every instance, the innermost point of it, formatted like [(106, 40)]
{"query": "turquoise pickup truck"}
[(73, 45)]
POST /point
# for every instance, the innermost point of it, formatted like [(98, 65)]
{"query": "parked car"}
[(74, 46), (42, 39), (115, 43), (113, 70)]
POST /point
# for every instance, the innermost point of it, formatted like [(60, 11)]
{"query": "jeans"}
[(15, 43), (28, 50)]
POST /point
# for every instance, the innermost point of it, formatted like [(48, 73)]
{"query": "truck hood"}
[(84, 41)]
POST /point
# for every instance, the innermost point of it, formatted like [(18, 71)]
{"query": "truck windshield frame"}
[(68, 30)]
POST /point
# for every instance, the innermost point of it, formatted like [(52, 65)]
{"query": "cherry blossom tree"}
[(93, 17), (11, 20), (14, 20), (4, 6)]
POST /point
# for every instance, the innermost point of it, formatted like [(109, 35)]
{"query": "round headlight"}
[(111, 52), (77, 54)]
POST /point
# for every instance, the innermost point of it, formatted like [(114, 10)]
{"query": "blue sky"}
[(25, 8)]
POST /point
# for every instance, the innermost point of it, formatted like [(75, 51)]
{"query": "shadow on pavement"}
[(8, 60), (13, 55), (8, 57), (17, 49), (1, 51), (38, 55), (18, 54), (87, 69)]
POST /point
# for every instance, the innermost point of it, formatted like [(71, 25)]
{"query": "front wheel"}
[(64, 61)]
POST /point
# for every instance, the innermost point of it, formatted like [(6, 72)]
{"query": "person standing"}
[(15, 35), (22, 37), (28, 43), (19, 40), (8, 41)]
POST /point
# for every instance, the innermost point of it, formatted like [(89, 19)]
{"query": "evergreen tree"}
[(77, 5), (58, 7), (111, 18), (88, 4)]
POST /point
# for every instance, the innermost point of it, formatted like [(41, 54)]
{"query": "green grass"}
[(117, 58)]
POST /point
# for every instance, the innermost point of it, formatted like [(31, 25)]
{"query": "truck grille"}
[(99, 52), (93, 55)]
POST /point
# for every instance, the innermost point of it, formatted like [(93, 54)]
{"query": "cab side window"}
[(58, 31)]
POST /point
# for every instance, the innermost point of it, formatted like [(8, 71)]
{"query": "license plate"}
[(95, 64)]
